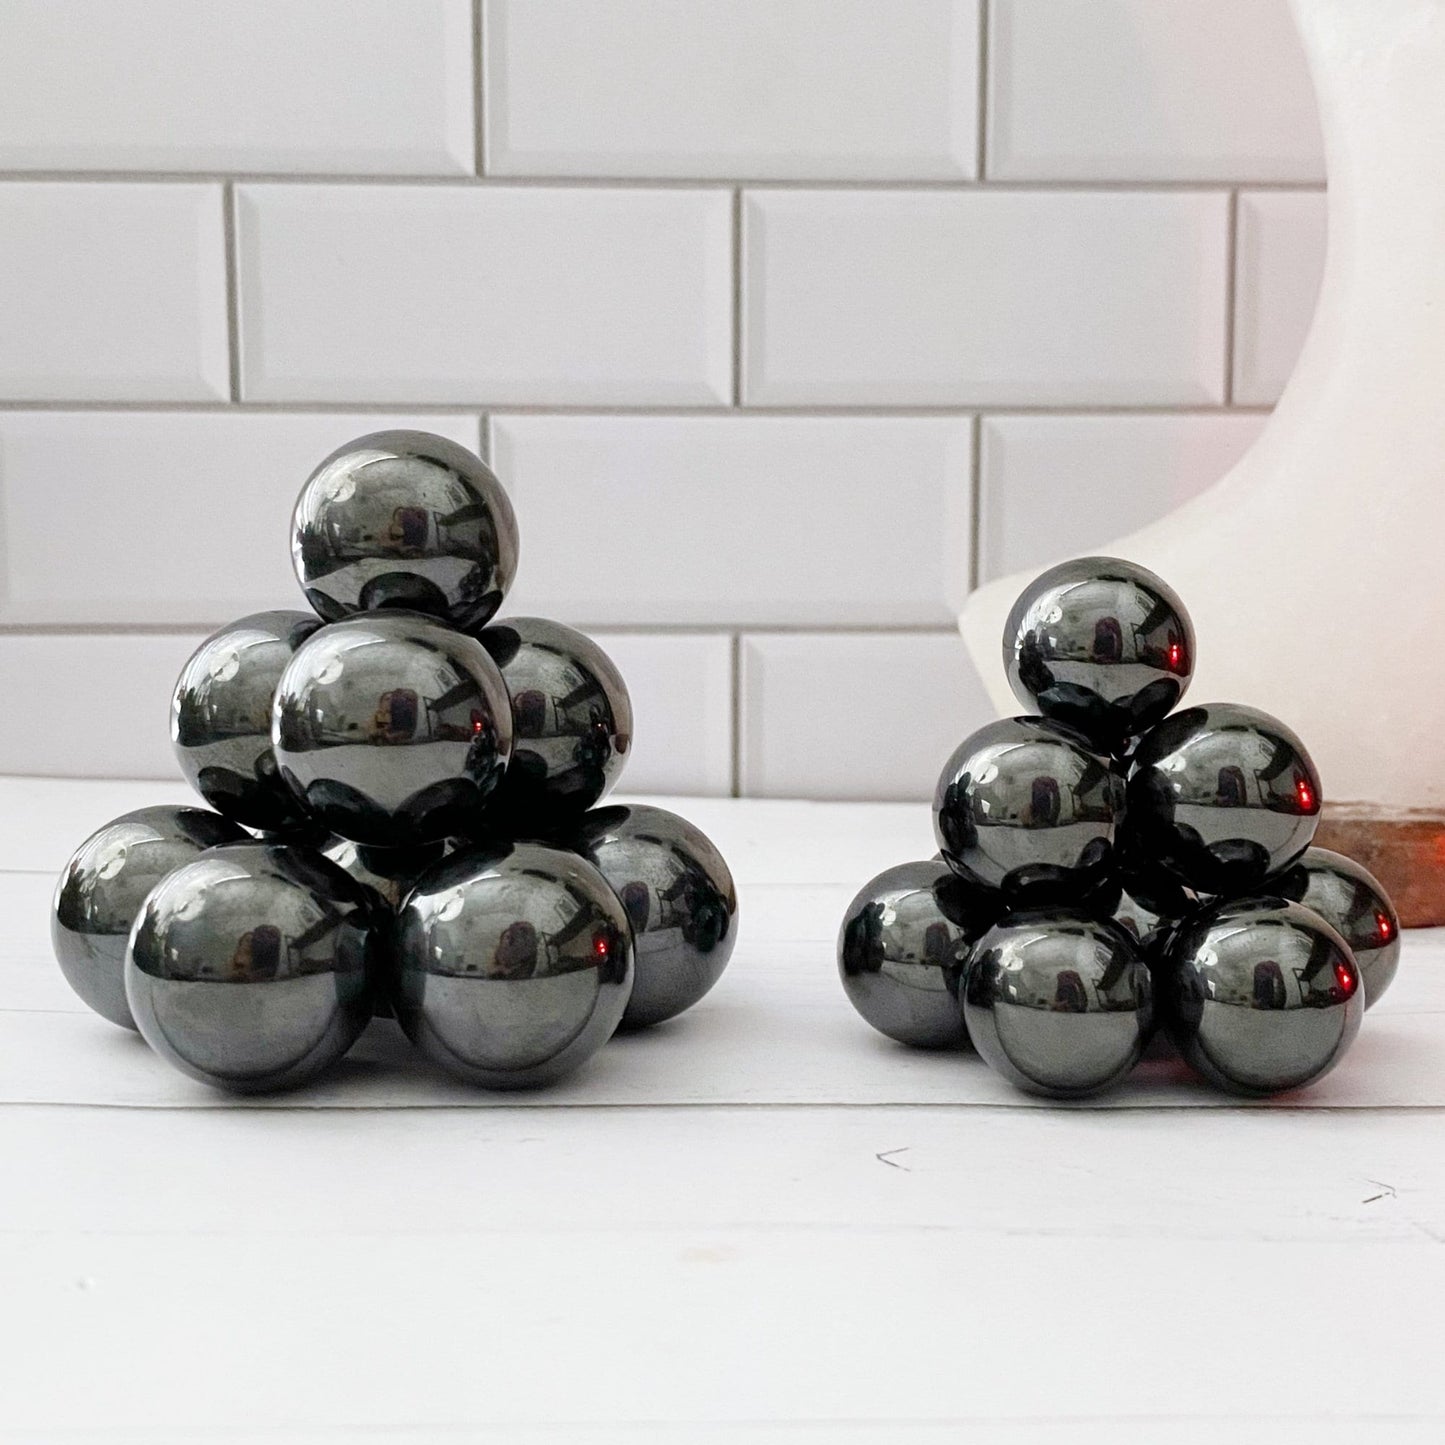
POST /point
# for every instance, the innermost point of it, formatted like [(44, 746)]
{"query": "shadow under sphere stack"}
[(424, 779), (1137, 866)]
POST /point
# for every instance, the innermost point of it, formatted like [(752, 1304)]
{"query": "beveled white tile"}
[(738, 519), (1280, 259), (112, 292), (169, 85), (91, 706), (827, 89), (681, 688), (1149, 90), (1059, 486), (532, 294), (854, 715), (938, 298), (157, 517)]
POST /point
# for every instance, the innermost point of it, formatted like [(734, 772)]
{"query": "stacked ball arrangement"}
[(403, 817), (1110, 867)]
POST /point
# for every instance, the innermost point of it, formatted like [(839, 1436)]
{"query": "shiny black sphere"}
[(902, 948), (392, 729), (1059, 1003), (1220, 797), (680, 901), (102, 887), (1025, 806), (252, 967), (1350, 899), (1264, 995), (221, 718), (513, 964), (390, 873), (405, 519), (1102, 645), (571, 722)]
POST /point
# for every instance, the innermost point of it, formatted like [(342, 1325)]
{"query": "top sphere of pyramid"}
[(405, 519), (1102, 645)]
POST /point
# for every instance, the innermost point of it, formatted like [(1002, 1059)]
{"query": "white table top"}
[(762, 1221)]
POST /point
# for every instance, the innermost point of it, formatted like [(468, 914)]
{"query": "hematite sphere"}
[(902, 948), (514, 964), (1350, 899), (1057, 1002), (392, 729), (252, 967), (1220, 797), (1102, 645), (1265, 995), (405, 519), (1025, 806), (103, 886), (571, 721), (390, 873), (680, 902), (221, 718)]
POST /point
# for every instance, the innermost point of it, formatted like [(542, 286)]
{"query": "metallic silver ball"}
[(513, 964), (1264, 995), (392, 729), (1220, 797), (1351, 900), (1059, 1003), (571, 722), (1024, 805), (902, 948), (390, 873), (221, 718), (680, 902), (251, 968), (405, 519), (1102, 645), (102, 887)]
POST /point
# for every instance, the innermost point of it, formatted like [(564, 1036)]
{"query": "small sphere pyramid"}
[(1110, 867), (404, 817)]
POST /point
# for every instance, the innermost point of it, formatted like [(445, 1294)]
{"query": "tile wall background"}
[(783, 320)]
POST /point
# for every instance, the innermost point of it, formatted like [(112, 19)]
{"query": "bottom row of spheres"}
[(1259, 994), (252, 965)]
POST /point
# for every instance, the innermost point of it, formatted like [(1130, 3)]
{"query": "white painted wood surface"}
[(761, 1222)]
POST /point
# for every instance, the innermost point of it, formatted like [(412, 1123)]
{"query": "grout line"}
[(233, 290), (889, 410), (737, 298), (646, 183), (479, 133), (981, 158), (728, 627), (1231, 292), (1048, 1110), (736, 721), (975, 483)]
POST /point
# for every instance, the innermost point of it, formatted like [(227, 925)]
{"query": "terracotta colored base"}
[(1404, 850)]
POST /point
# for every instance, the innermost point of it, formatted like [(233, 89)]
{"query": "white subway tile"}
[(269, 85), (828, 89), (500, 294), (739, 519), (150, 517), (854, 715), (1149, 90), (1280, 259), (112, 292), (91, 706), (938, 298), (682, 709), (1059, 486)]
